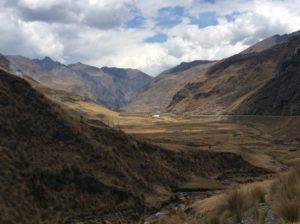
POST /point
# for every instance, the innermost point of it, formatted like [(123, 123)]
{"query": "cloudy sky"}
[(151, 35)]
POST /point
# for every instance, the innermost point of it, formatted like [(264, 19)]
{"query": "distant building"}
[(156, 116)]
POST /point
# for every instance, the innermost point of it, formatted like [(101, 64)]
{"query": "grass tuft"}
[(236, 203), (286, 193), (258, 194)]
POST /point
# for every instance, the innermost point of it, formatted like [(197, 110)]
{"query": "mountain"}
[(159, 92), (4, 62), (269, 43), (115, 86), (112, 87), (281, 95), (186, 66), (265, 44), (57, 168), (246, 83)]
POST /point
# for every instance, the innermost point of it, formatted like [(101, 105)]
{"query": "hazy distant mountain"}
[(4, 62), (111, 87), (244, 83), (116, 86)]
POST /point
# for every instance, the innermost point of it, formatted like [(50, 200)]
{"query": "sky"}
[(150, 35)]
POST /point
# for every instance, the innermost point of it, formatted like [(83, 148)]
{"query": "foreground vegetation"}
[(262, 141), (58, 167), (270, 201)]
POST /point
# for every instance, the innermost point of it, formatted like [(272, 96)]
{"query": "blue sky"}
[(150, 35), (157, 38), (168, 17)]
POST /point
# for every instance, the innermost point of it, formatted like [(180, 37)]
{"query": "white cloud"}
[(93, 31), (42, 4)]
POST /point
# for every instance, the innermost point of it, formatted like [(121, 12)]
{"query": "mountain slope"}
[(226, 83), (226, 86), (55, 168), (281, 95), (185, 66), (158, 94), (4, 62), (105, 87), (269, 43), (115, 86)]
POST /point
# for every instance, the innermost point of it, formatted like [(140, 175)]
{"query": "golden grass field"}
[(268, 142)]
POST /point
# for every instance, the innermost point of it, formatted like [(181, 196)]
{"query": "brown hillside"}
[(229, 86), (55, 168), (159, 93), (281, 95), (231, 81)]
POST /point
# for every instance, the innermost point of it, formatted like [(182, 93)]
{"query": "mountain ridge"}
[(222, 86), (112, 87)]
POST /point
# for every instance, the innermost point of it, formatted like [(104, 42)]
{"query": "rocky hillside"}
[(115, 87), (160, 91), (112, 87), (246, 83), (56, 168), (281, 95)]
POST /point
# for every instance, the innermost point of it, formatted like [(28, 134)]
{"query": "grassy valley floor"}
[(272, 143), (266, 141)]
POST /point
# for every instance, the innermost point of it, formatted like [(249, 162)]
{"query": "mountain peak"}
[(47, 63), (47, 59), (113, 87), (186, 65)]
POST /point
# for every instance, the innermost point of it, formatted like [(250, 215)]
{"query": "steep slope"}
[(55, 168), (269, 43), (4, 62), (116, 86), (185, 66), (233, 80), (265, 44), (113, 91), (218, 87), (158, 94), (281, 95)]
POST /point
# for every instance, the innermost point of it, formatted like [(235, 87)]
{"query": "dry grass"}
[(221, 218), (231, 206), (286, 194), (258, 194), (56, 164), (251, 200), (287, 210), (250, 136), (236, 202)]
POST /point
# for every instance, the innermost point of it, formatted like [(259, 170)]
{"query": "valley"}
[(207, 141), (67, 164), (262, 140), (269, 142)]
